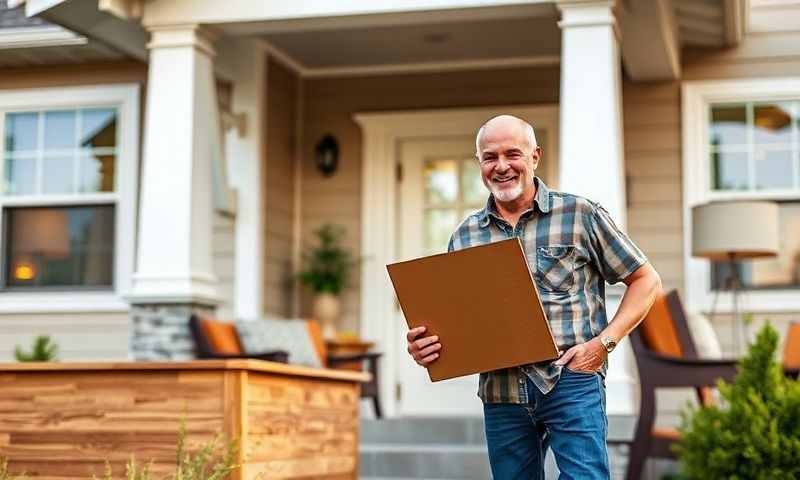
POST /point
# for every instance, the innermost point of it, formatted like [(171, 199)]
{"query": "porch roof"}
[(320, 37)]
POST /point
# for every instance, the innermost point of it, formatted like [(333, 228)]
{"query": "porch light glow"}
[(24, 271)]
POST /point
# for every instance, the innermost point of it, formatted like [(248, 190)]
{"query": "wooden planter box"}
[(63, 420)]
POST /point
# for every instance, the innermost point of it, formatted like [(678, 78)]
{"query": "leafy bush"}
[(327, 265), (755, 433), (43, 350)]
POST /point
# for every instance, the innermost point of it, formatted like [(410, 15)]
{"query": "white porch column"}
[(174, 260), (591, 160)]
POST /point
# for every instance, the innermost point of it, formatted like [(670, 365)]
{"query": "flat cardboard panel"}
[(481, 302)]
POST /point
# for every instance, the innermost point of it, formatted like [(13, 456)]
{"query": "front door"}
[(440, 185)]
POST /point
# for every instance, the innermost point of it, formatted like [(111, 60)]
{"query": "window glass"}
[(21, 131), (441, 181), (60, 246), (728, 125), (59, 129), (773, 123), (19, 176), (474, 191), (754, 146), (75, 154)]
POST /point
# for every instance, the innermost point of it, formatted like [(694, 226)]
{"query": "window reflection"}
[(779, 272), (60, 246)]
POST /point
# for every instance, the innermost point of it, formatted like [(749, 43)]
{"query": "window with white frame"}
[(742, 141), (68, 187), (754, 147)]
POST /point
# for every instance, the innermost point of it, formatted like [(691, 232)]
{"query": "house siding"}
[(653, 165), (279, 192), (80, 336), (329, 105)]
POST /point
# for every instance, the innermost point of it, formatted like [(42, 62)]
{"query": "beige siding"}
[(80, 336), (329, 107), (652, 119), (224, 249), (653, 169), (279, 193)]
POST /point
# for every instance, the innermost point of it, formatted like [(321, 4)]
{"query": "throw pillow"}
[(704, 337), (259, 336)]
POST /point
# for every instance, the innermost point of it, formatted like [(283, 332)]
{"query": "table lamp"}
[(732, 231)]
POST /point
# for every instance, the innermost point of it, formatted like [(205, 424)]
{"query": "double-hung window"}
[(67, 197), (742, 141)]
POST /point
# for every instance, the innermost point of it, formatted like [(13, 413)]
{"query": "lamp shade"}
[(735, 229)]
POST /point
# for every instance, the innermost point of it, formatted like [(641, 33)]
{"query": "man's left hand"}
[(586, 357)]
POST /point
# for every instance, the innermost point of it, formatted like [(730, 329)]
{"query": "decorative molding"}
[(34, 37), (404, 68)]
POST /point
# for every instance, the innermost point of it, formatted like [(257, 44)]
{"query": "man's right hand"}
[(423, 350)]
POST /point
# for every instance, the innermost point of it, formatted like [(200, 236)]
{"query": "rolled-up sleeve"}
[(614, 253)]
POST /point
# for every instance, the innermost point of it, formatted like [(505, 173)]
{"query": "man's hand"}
[(423, 350), (586, 357)]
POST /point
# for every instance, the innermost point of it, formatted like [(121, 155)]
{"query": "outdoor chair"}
[(369, 389), (215, 339), (791, 352), (219, 340), (667, 358)]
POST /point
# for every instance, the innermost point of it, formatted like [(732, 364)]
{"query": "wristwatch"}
[(609, 343)]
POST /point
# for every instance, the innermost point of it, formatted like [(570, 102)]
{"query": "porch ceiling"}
[(493, 40)]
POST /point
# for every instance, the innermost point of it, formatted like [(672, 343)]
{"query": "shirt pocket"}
[(556, 268)]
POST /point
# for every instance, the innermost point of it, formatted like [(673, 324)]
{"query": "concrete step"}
[(432, 461), (429, 430)]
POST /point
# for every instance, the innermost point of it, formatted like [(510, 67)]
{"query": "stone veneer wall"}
[(161, 332)]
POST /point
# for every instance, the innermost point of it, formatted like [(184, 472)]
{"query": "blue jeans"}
[(571, 420)]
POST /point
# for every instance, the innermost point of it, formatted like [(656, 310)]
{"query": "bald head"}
[(504, 124)]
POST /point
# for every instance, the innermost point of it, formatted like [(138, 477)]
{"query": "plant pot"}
[(326, 309)]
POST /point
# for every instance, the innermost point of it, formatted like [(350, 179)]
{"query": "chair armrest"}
[(667, 371), (369, 356)]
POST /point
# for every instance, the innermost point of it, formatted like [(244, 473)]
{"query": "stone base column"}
[(161, 332)]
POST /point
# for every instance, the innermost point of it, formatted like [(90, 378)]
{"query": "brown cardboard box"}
[(481, 302)]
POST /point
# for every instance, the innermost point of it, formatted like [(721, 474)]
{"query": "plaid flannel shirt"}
[(573, 248)]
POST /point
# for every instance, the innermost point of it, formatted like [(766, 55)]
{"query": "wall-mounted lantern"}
[(327, 155)]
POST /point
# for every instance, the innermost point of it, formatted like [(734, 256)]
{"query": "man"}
[(573, 248)]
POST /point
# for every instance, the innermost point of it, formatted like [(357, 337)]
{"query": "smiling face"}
[(508, 157)]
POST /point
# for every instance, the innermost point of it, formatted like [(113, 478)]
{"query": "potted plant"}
[(755, 433), (327, 270)]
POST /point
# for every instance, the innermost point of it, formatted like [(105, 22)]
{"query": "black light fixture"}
[(327, 155)]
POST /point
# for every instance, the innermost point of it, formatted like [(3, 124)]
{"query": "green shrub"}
[(755, 433), (43, 350)]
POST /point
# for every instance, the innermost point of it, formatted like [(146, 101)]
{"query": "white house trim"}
[(379, 238), (125, 98), (697, 96), (41, 36), (404, 68)]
